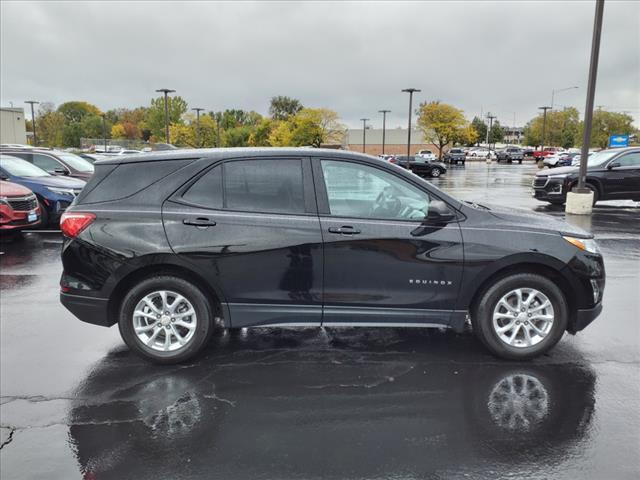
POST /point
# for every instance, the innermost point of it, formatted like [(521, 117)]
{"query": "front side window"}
[(266, 185), (47, 163), (360, 191), (629, 160)]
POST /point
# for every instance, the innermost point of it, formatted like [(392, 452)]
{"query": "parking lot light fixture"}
[(364, 133), (166, 92), (410, 91), (33, 121), (553, 93), (198, 110), (384, 126)]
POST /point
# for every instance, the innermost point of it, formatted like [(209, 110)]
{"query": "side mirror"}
[(3, 177), (61, 171), (439, 212), (613, 165)]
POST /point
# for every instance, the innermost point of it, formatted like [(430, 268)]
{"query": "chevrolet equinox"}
[(169, 244)]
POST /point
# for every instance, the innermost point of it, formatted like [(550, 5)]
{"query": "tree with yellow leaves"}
[(442, 124)]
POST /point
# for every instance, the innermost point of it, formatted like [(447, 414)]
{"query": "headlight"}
[(62, 191), (586, 244), (3, 200)]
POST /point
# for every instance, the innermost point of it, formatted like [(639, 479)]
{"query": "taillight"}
[(393, 160), (73, 223)]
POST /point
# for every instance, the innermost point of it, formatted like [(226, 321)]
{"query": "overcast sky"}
[(354, 58)]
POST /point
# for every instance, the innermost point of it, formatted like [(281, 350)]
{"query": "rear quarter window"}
[(114, 182)]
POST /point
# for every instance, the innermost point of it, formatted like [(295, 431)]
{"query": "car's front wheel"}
[(165, 319), (435, 172), (521, 316)]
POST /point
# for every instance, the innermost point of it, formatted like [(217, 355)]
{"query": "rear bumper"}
[(584, 317), (88, 309)]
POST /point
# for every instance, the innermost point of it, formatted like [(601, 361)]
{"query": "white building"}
[(12, 125)]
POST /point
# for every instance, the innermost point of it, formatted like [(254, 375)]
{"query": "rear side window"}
[(126, 179), (264, 186), (47, 163), (207, 190)]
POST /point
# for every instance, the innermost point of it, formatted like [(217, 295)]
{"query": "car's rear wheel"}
[(521, 316), (435, 172), (165, 319)]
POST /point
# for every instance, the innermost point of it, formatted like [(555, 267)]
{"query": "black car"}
[(167, 245), (54, 162), (420, 166), (455, 155), (611, 175), (510, 154)]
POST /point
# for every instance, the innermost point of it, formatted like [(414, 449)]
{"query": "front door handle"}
[(344, 230), (199, 222)]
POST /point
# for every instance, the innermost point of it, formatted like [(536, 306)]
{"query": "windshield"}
[(75, 162), (21, 168), (600, 157)]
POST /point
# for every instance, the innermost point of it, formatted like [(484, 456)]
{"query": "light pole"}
[(544, 124), (198, 110), (553, 93), (579, 202), (384, 126), (490, 117), (364, 133), (410, 91), (33, 121), (104, 132), (166, 92)]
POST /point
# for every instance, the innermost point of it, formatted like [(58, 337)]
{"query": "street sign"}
[(618, 141)]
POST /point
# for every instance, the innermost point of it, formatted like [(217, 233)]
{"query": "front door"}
[(250, 226), (622, 180), (385, 260)]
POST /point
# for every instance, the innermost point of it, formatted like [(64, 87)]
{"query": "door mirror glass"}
[(613, 165)]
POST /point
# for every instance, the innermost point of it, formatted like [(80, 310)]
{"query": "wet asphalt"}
[(324, 403)]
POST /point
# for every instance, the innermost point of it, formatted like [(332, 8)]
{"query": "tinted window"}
[(629, 160), (47, 163), (264, 186), (20, 168), (361, 191), (76, 162), (207, 191)]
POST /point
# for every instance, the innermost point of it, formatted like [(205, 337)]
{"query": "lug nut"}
[(517, 322), (173, 319)]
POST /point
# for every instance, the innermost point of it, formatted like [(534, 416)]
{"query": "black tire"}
[(44, 215), (557, 202), (482, 316), (200, 303), (596, 194), (520, 162), (435, 172)]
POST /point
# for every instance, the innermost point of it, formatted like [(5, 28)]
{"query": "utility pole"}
[(544, 124), (410, 91), (166, 92), (577, 203), (490, 117), (104, 132), (33, 121), (384, 126), (364, 133), (198, 110)]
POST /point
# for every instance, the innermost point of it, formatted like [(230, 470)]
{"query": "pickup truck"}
[(546, 152), (510, 154), (455, 155)]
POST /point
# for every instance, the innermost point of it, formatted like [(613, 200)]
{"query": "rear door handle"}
[(344, 230), (199, 222)]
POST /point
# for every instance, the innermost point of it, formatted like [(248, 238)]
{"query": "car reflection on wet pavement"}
[(323, 403)]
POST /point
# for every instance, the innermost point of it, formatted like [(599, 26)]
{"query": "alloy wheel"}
[(523, 317)]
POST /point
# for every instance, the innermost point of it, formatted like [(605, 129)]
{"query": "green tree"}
[(480, 127), (282, 107), (561, 128), (75, 111), (441, 124), (310, 126), (497, 133), (237, 136), (260, 135), (50, 125), (91, 127), (606, 124), (154, 116), (71, 134)]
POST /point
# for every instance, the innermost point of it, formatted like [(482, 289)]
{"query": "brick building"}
[(395, 141)]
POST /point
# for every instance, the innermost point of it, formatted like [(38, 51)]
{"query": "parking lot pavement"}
[(323, 403)]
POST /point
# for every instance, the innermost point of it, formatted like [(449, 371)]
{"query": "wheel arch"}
[(128, 280)]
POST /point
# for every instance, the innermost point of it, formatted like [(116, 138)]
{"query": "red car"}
[(18, 207), (546, 152)]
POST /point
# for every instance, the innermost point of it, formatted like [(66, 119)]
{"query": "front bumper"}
[(88, 309), (584, 317), (14, 220)]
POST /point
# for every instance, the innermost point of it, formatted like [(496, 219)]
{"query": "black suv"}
[(169, 244), (611, 175)]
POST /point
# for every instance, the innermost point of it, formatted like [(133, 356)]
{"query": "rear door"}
[(251, 226), (385, 261), (623, 180)]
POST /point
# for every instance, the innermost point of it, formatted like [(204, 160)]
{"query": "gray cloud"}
[(352, 57)]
